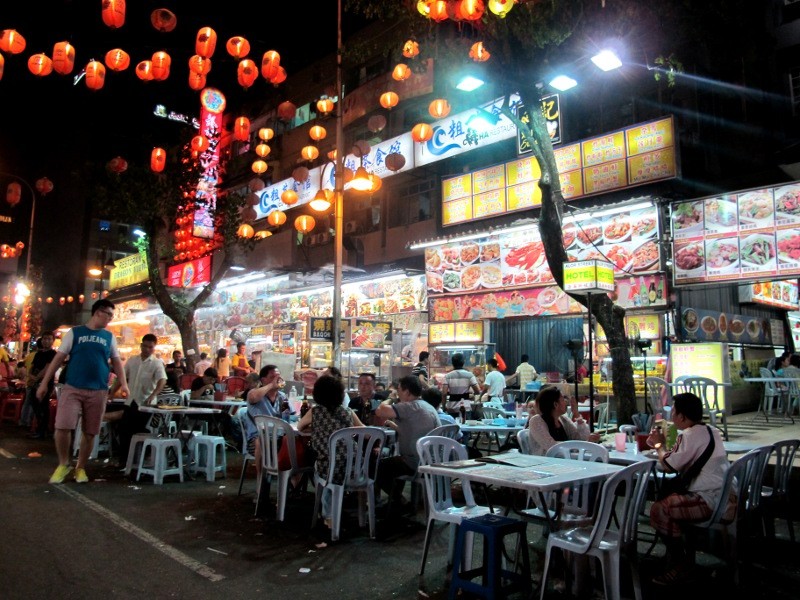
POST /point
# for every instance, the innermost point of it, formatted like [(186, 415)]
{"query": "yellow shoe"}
[(81, 476), (60, 474)]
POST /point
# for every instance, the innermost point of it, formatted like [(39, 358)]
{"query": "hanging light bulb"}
[(361, 181), (321, 201)]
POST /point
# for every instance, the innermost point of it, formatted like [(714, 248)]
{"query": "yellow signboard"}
[(650, 136), (127, 271), (456, 187), (524, 195), (603, 149), (605, 177), (493, 178), (523, 170), (651, 166), (439, 333), (571, 184), (469, 331), (568, 158), (489, 203), (708, 359), (588, 276), (457, 211)]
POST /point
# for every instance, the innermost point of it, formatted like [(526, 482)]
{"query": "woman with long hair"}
[(552, 425), (222, 364)]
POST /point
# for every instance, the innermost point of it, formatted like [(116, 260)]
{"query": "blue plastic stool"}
[(493, 528)]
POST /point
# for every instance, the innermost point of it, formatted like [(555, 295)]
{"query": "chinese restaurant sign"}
[(212, 106), (780, 294), (752, 234), (127, 271), (551, 111), (455, 332), (712, 326), (637, 155), (190, 274), (638, 326)]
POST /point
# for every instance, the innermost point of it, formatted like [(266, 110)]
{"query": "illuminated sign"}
[(780, 294), (551, 111), (161, 111), (213, 104), (589, 276), (128, 271), (190, 274), (458, 332), (706, 360)]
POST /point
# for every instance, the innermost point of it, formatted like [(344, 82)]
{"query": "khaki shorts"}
[(74, 402)]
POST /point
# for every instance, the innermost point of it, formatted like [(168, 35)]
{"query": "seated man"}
[(367, 400), (413, 418), (204, 386), (433, 397), (700, 461), (267, 399)]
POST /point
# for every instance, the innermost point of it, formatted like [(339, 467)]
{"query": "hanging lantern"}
[(389, 100), (401, 72), (144, 70), (270, 63), (199, 143), (117, 165), (259, 166), (2, 65), (44, 186), (394, 161), (238, 47), (361, 148), (286, 110), (49, 300), (437, 10), (263, 234), (245, 231), (249, 214), (196, 81), (377, 182), (501, 7), (317, 133), (276, 218), (13, 193), (279, 77), (62, 300), (199, 65), (70, 299), (376, 123), (256, 184), (424, 8), (95, 75), (163, 20), (81, 298), (114, 13), (241, 129), (289, 197), (206, 42), (266, 134), (309, 152), (253, 199), (158, 158), (439, 108), (117, 59), (40, 65), (422, 132), (161, 63), (321, 200), (263, 150), (300, 174), (325, 105), (246, 73), (11, 41), (471, 10), (305, 223), (479, 53), (63, 58), (410, 49)]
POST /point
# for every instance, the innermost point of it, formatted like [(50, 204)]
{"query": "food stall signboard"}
[(455, 332), (193, 273), (745, 235), (713, 326), (708, 359), (441, 333), (128, 271), (780, 294), (469, 331), (320, 329), (589, 276), (371, 334)]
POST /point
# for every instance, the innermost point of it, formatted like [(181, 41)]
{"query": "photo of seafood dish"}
[(589, 233), (789, 246), (469, 253), (526, 257), (435, 282), (787, 201), (433, 260), (753, 328), (452, 281), (619, 256), (722, 254), (490, 252), (547, 297), (690, 257), (470, 277), (617, 230), (644, 227), (756, 206), (690, 320), (720, 213), (451, 255), (757, 250), (708, 325), (570, 234), (592, 254), (491, 276), (645, 256), (687, 215)]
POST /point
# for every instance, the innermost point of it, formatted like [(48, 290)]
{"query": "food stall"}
[(469, 338)]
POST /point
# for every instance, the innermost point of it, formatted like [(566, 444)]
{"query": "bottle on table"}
[(286, 412), (304, 407), (462, 409)]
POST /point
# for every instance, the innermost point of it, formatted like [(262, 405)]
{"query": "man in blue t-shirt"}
[(90, 347)]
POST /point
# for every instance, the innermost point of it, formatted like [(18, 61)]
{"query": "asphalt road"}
[(113, 538)]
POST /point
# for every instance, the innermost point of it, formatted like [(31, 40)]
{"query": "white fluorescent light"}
[(563, 83), (617, 209), (139, 232), (606, 60), (469, 84), (237, 268)]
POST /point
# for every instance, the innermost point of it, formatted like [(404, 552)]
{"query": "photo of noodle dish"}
[(720, 213), (787, 200), (722, 254), (756, 206), (491, 276)]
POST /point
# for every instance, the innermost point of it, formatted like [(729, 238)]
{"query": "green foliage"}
[(668, 68)]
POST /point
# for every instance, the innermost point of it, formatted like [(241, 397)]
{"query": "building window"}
[(794, 90), (412, 203), (105, 225)]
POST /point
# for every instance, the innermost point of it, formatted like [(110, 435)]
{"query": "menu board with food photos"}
[(780, 294), (752, 234), (627, 239), (713, 326)]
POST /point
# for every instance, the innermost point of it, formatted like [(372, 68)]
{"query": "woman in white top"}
[(552, 425)]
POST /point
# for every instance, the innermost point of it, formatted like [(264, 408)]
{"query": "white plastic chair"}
[(359, 443), (655, 387), (624, 492), (601, 422), (629, 431), (772, 395), (434, 450), (246, 456), (270, 432), (705, 388), (776, 497), (449, 431), (524, 441)]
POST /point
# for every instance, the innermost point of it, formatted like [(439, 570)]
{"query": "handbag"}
[(301, 445), (681, 482)]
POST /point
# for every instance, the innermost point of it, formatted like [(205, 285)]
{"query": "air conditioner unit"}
[(323, 238), (351, 227)]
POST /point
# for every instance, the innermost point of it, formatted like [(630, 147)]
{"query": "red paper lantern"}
[(114, 13), (40, 65), (241, 129), (117, 59), (259, 167), (13, 193), (286, 110), (263, 150), (376, 123), (305, 223), (238, 47), (163, 20), (199, 143), (158, 158), (270, 63), (394, 161), (161, 63), (246, 73), (11, 41), (95, 75), (389, 100), (196, 81), (401, 72), (325, 105), (199, 64), (309, 152), (118, 165), (438, 10), (245, 231), (471, 10), (289, 197), (276, 218), (421, 132), (410, 49), (63, 58), (206, 42), (44, 186), (266, 134), (279, 77), (317, 133), (479, 53), (144, 70), (439, 108)]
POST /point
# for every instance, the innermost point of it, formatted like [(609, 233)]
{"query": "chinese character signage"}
[(190, 274), (551, 111), (455, 332), (704, 359), (212, 107)]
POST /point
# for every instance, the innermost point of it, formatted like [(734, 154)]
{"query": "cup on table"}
[(619, 441)]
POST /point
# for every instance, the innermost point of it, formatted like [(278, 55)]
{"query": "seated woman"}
[(327, 416), (699, 458), (552, 425)]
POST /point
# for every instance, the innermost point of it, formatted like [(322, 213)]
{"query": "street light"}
[(338, 211), (44, 186)]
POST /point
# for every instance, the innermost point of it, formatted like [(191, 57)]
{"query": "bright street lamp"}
[(563, 83), (606, 60), (469, 84)]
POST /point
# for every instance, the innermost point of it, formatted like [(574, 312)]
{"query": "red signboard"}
[(190, 274)]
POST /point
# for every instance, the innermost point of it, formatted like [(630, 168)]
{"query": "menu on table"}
[(752, 234)]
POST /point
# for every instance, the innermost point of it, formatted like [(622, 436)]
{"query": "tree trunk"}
[(610, 316)]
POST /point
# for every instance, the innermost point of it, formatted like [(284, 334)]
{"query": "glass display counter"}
[(377, 361), (475, 357)]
